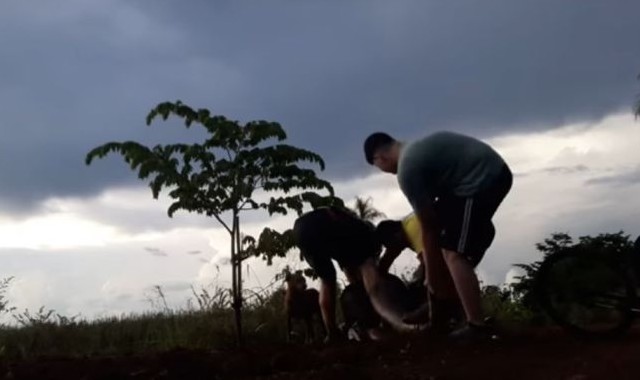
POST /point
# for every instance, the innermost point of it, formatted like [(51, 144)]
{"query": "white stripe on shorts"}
[(466, 221)]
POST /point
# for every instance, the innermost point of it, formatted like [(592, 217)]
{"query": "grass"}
[(207, 324), (150, 332)]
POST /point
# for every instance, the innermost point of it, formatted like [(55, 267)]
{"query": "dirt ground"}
[(539, 354)]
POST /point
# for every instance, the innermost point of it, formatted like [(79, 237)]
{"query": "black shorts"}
[(465, 222), (331, 233)]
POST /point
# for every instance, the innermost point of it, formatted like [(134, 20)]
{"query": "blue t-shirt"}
[(446, 163)]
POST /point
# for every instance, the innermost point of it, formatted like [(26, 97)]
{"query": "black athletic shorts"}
[(332, 233), (465, 222)]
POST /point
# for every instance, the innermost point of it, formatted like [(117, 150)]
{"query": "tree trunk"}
[(237, 277)]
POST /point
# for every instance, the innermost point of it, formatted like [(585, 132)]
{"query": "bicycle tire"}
[(558, 280)]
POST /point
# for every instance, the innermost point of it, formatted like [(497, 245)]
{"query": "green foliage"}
[(608, 244), (156, 298), (43, 317), (223, 172), (270, 244), (4, 303), (558, 242), (508, 311), (523, 288), (139, 333), (221, 175), (211, 299), (366, 211), (209, 327), (287, 271)]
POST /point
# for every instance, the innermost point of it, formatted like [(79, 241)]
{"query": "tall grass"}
[(206, 323), (210, 326)]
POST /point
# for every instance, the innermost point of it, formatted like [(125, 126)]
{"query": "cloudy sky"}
[(550, 84)]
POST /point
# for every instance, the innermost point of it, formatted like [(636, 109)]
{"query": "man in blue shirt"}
[(454, 184)]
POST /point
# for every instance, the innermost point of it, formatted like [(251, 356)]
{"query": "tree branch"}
[(223, 223)]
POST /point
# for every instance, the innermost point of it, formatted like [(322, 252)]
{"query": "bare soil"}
[(539, 354)]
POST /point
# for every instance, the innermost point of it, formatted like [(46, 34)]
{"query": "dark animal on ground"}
[(301, 304)]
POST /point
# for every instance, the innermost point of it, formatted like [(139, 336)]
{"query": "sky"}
[(549, 84)]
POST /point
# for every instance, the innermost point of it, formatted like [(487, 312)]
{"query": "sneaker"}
[(355, 333), (473, 333)]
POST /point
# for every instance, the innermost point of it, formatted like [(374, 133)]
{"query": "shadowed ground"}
[(537, 354)]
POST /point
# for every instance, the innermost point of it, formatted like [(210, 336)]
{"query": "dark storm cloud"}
[(77, 74), (626, 178), (123, 297), (566, 169), (557, 170), (156, 251), (175, 286)]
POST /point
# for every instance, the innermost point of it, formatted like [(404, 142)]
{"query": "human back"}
[(449, 163), (334, 233)]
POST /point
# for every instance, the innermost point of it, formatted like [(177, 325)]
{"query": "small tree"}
[(365, 210), (220, 176)]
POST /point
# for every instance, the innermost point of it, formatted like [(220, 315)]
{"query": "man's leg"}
[(438, 278), (466, 284), (471, 242), (312, 233), (327, 307), (451, 276), (476, 235)]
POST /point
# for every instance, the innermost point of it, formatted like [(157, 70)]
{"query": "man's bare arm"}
[(437, 276), (427, 217), (328, 305)]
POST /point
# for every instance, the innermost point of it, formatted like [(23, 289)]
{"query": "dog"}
[(302, 304)]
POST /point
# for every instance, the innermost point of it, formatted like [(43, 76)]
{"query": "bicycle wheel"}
[(587, 294)]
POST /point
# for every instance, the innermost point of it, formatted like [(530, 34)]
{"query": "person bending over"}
[(335, 233), (454, 184), (398, 235)]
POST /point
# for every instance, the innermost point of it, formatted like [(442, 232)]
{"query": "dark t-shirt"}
[(446, 163), (334, 233)]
